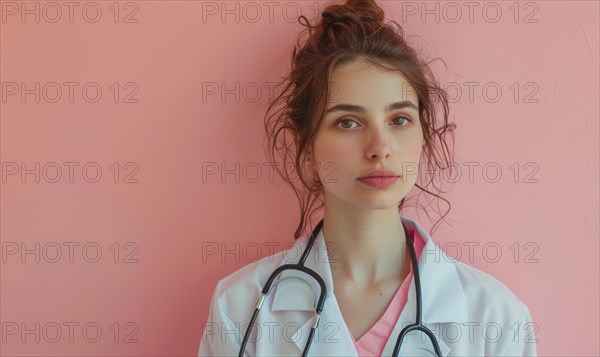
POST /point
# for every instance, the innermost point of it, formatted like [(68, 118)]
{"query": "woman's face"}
[(371, 123)]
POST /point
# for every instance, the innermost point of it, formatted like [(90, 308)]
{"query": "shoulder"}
[(497, 314), (477, 283), (249, 280), (233, 302), (492, 303)]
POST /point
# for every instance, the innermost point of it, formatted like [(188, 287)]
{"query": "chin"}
[(369, 198), (379, 201)]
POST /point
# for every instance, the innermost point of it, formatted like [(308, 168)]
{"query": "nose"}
[(378, 146)]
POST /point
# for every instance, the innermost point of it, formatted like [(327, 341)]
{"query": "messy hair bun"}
[(353, 11), (339, 18), (347, 32)]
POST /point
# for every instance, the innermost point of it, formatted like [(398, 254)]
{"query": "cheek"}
[(338, 154), (415, 148), (411, 147), (411, 157)]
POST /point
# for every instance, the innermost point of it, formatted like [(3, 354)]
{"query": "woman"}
[(357, 113)]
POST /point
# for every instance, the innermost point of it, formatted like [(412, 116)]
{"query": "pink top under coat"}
[(373, 342)]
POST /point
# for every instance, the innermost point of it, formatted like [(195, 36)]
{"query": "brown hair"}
[(348, 32)]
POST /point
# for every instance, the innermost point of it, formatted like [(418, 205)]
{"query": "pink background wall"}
[(127, 255)]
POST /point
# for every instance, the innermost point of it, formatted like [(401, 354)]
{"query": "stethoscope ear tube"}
[(303, 269), (418, 325), (299, 266), (250, 325)]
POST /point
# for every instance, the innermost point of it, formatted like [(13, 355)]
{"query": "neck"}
[(366, 247)]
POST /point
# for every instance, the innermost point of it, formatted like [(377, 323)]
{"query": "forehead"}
[(363, 82)]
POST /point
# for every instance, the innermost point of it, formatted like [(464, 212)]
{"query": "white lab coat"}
[(470, 312)]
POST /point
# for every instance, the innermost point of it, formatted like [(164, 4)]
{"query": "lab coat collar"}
[(439, 278)]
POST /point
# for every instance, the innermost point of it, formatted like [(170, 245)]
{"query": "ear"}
[(309, 155), (309, 160)]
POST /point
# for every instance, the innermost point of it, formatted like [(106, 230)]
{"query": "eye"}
[(404, 119), (347, 120), (344, 120)]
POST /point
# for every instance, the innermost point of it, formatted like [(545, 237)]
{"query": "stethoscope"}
[(417, 326)]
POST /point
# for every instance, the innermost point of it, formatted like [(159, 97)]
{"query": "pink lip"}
[(379, 182), (379, 178), (380, 173)]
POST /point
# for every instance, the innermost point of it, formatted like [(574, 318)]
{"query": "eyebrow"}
[(362, 110)]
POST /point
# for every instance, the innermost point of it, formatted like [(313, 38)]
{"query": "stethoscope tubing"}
[(417, 326)]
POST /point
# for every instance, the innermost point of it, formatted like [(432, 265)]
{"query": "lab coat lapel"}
[(439, 279), (296, 286), (292, 296), (332, 337)]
